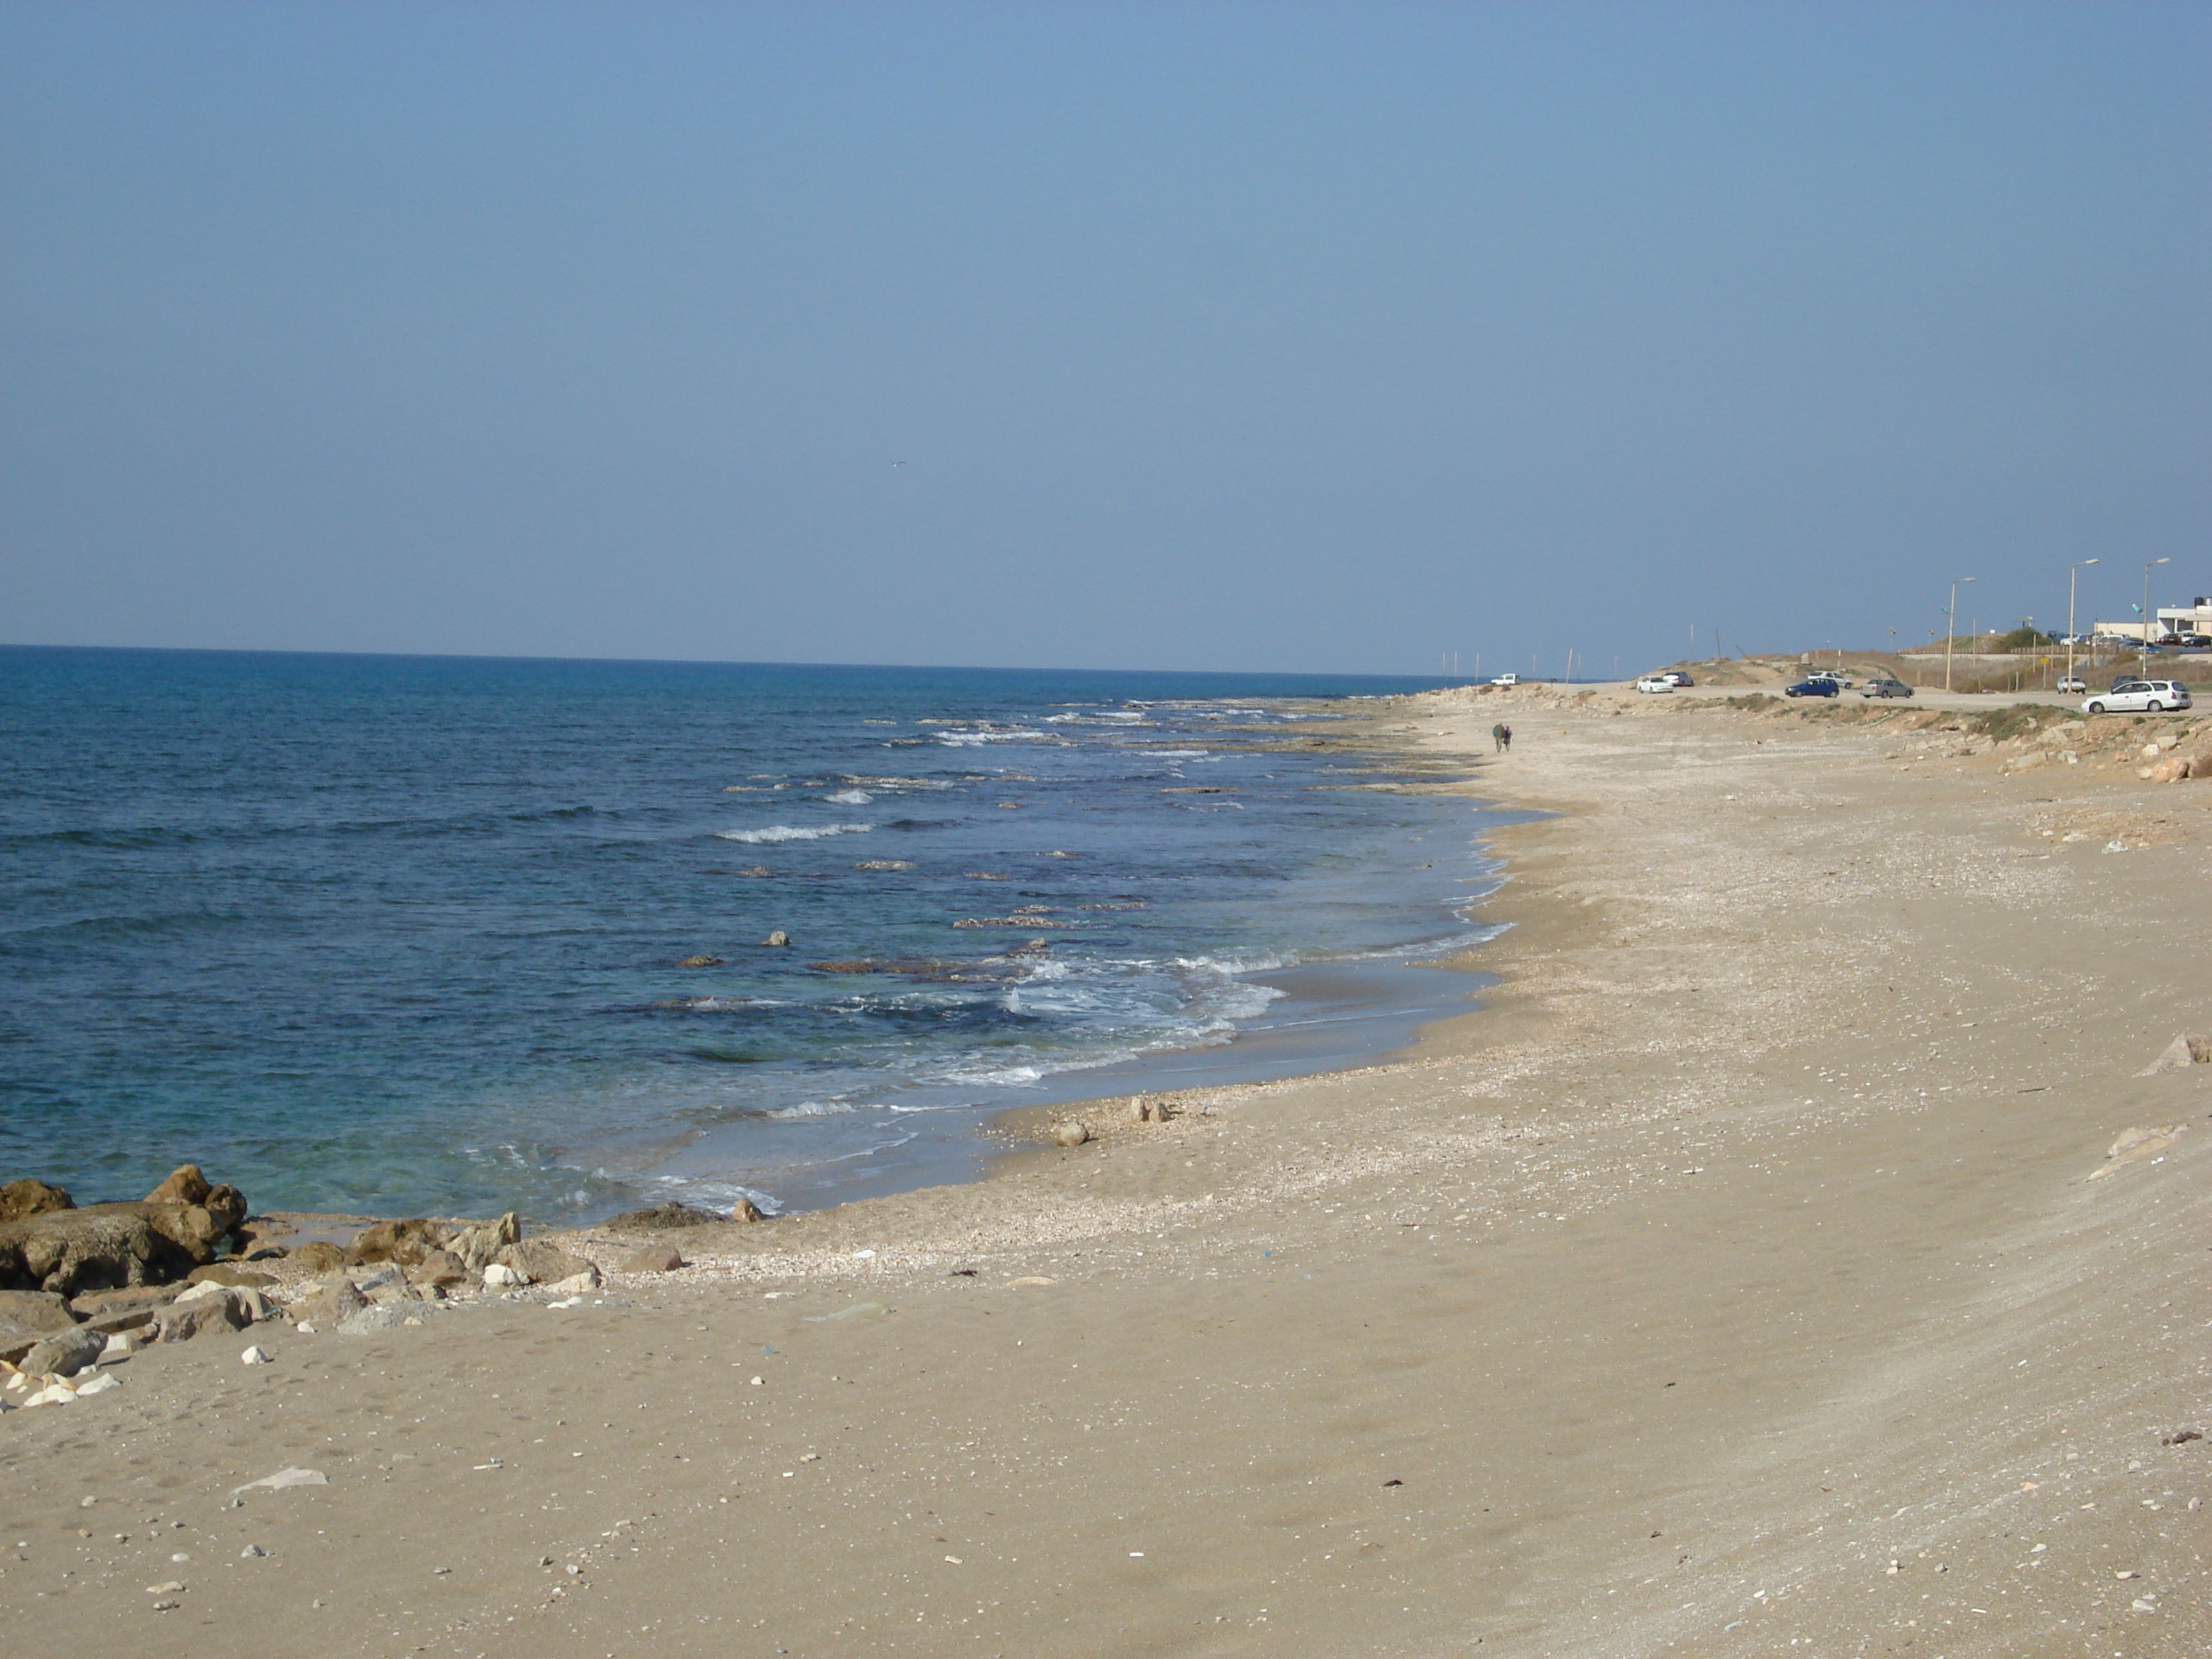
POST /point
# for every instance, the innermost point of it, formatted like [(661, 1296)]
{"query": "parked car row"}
[(1829, 683), (1673, 680)]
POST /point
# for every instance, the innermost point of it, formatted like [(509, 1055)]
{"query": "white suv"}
[(2139, 697)]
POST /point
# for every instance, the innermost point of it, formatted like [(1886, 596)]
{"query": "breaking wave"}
[(789, 832)]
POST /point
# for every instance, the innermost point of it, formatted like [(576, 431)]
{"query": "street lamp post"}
[(2072, 576), (1951, 627), (2145, 657)]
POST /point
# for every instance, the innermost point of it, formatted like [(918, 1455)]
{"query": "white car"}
[(2076, 686), (1655, 683), (1507, 679), (2138, 697)]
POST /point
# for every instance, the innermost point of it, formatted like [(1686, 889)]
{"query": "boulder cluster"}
[(48, 1243), (81, 1287)]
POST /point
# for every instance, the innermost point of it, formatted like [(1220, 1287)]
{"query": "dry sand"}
[(1748, 1278)]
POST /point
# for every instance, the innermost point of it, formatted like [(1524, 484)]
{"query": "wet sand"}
[(1748, 1277)]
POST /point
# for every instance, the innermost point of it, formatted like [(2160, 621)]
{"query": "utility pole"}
[(2073, 575), (2145, 614), (1951, 629)]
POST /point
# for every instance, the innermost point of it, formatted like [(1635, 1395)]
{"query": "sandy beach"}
[(1747, 1275)]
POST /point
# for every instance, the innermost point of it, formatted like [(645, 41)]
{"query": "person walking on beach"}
[(1501, 735)]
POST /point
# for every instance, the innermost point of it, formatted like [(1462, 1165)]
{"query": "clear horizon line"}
[(712, 662)]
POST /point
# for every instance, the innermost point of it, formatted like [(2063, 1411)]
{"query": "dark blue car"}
[(1812, 688)]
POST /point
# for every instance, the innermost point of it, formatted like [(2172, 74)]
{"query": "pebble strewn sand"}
[(1734, 1283)]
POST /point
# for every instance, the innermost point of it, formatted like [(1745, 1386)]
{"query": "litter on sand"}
[(847, 1313), (284, 1478)]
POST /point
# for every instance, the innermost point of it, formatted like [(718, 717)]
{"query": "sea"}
[(452, 936)]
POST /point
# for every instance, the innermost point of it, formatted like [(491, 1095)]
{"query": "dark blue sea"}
[(404, 934)]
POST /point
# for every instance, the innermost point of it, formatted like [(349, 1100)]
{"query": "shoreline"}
[(1747, 1272)]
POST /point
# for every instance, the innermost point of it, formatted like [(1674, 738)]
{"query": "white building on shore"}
[(2172, 622)]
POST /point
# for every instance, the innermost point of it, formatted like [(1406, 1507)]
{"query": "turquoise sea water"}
[(404, 934)]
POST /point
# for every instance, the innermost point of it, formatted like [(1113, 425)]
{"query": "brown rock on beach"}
[(661, 1218), (542, 1262), (230, 1273), (331, 1300), (476, 1246), (317, 1255), (64, 1353), (407, 1242), (186, 1185), (99, 1247), (440, 1270), (96, 1306), (29, 1197), (34, 1310)]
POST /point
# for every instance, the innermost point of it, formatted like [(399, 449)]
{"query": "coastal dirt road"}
[(1748, 1278)]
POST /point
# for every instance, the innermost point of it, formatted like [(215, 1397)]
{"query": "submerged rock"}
[(701, 961)]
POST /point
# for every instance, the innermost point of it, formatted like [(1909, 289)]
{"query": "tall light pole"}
[(1951, 629), (2145, 614), (2073, 574)]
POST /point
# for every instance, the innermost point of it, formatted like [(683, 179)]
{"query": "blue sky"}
[(1272, 337)]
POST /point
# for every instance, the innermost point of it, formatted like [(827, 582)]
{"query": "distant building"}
[(2172, 621)]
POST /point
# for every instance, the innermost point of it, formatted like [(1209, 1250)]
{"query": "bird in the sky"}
[(898, 463)]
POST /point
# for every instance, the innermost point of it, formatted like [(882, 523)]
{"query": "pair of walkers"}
[(1501, 735)]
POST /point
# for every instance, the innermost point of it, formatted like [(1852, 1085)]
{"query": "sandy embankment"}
[(1744, 1249)]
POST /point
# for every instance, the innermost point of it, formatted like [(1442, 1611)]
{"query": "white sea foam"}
[(788, 832), (850, 798), (814, 1108), (974, 740)]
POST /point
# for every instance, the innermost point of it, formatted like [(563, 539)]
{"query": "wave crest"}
[(789, 832)]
